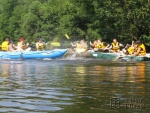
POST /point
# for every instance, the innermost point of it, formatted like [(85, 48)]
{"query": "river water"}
[(74, 86)]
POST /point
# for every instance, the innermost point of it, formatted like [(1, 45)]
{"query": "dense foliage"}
[(88, 19)]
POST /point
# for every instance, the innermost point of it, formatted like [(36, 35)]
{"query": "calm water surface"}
[(74, 86)]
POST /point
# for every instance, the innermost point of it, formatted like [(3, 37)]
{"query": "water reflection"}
[(4, 70), (26, 87), (117, 73), (46, 86), (96, 84)]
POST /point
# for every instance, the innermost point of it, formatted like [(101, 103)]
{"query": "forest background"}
[(80, 19)]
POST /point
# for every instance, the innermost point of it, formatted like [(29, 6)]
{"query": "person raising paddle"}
[(80, 47)]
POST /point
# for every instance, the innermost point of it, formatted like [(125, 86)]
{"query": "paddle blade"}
[(55, 44), (67, 36)]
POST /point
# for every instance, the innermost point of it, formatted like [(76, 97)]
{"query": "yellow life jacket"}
[(130, 50), (79, 46), (96, 45), (115, 47), (18, 43), (40, 46), (143, 50), (5, 46), (101, 46), (23, 45)]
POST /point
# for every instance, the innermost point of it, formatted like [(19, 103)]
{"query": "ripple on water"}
[(35, 100), (35, 86)]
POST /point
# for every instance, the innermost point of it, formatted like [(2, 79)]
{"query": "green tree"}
[(89, 19)]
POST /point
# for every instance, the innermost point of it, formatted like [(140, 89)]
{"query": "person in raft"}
[(94, 46), (5, 44), (140, 49), (22, 46), (11, 47), (80, 47), (98, 45), (129, 49), (40, 45), (103, 47), (115, 46)]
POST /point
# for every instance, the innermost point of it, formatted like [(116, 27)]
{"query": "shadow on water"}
[(73, 86)]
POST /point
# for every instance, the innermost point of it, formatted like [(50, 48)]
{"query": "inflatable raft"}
[(101, 55), (53, 54), (118, 57), (135, 58)]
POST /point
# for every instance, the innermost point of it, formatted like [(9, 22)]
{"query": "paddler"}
[(22, 46), (5, 44), (115, 46), (80, 47), (140, 49), (94, 46), (102, 46), (40, 45), (129, 49), (11, 47), (83, 44)]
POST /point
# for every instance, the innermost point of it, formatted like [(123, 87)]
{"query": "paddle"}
[(67, 36), (55, 44)]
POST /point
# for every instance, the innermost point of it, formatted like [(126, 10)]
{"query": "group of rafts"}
[(114, 52), (22, 50), (98, 49)]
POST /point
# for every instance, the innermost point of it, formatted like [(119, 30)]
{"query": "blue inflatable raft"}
[(53, 54)]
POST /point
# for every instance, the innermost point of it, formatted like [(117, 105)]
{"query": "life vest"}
[(101, 46), (130, 50), (96, 45), (115, 47), (79, 46), (5, 46), (143, 50), (23, 45), (40, 46)]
